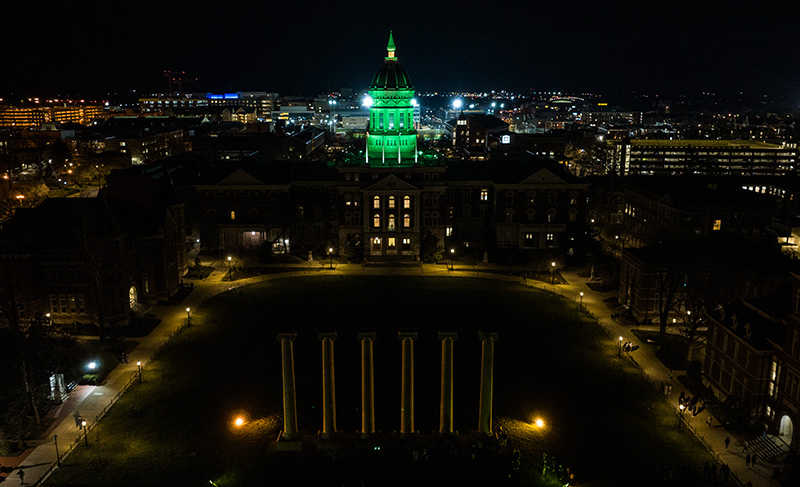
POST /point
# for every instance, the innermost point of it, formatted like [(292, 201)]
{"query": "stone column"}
[(367, 338), (446, 404), (289, 400), (487, 373), (407, 337), (328, 386)]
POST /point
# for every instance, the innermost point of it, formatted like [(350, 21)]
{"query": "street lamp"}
[(139, 368), (188, 317), (58, 455), (680, 417), (452, 259), (330, 255), (230, 272), (85, 433), (620, 346), (552, 272), (581, 303)]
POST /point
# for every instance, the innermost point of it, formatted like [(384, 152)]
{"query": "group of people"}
[(690, 403)]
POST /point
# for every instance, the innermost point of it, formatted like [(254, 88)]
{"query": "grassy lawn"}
[(603, 421)]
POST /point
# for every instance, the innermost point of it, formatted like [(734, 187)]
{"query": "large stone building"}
[(752, 360), (91, 260), (704, 157), (383, 202)]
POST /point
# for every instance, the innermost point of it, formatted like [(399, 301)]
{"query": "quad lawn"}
[(603, 421)]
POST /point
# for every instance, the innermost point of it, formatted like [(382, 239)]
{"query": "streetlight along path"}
[(40, 462)]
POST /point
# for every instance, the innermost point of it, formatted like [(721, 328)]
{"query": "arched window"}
[(391, 222), (530, 214), (509, 215), (391, 201), (300, 212), (551, 215), (376, 202), (376, 220), (435, 218), (356, 218), (406, 220), (467, 210), (406, 202), (233, 215)]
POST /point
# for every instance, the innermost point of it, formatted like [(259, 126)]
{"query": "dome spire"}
[(391, 48)]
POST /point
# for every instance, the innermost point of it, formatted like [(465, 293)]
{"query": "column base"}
[(294, 443), (331, 442)]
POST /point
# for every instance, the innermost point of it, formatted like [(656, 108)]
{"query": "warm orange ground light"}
[(239, 421)]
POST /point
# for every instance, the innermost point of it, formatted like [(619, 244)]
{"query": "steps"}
[(766, 447)]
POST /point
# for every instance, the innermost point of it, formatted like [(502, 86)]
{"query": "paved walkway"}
[(41, 461)]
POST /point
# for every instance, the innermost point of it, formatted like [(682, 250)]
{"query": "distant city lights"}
[(367, 101)]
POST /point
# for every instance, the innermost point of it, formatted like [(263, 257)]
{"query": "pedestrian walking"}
[(670, 376), (753, 463), (709, 421), (682, 397), (747, 461), (727, 442), (744, 450), (21, 476)]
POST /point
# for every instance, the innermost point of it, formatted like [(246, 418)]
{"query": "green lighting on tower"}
[(391, 136)]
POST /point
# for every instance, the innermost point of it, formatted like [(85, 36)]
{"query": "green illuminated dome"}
[(391, 76), (391, 135)]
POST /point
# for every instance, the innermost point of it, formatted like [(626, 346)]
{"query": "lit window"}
[(376, 221), (461, 122), (448, 232), (391, 244), (376, 202), (717, 224), (233, 215), (406, 220), (550, 237), (484, 195), (406, 202), (391, 201), (406, 244), (391, 223)]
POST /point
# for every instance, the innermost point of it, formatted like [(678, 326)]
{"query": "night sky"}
[(309, 47)]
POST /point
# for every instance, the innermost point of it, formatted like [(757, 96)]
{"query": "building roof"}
[(751, 324), (699, 144), (391, 76), (689, 191), (507, 171)]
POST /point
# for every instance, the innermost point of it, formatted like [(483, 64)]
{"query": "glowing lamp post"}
[(85, 433), (230, 272), (452, 259), (552, 273), (680, 417), (188, 316), (620, 346), (581, 303), (139, 369), (330, 256)]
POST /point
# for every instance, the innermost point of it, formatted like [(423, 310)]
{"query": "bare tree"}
[(17, 329)]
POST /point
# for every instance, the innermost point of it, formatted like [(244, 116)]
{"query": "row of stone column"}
[(367, 338)]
